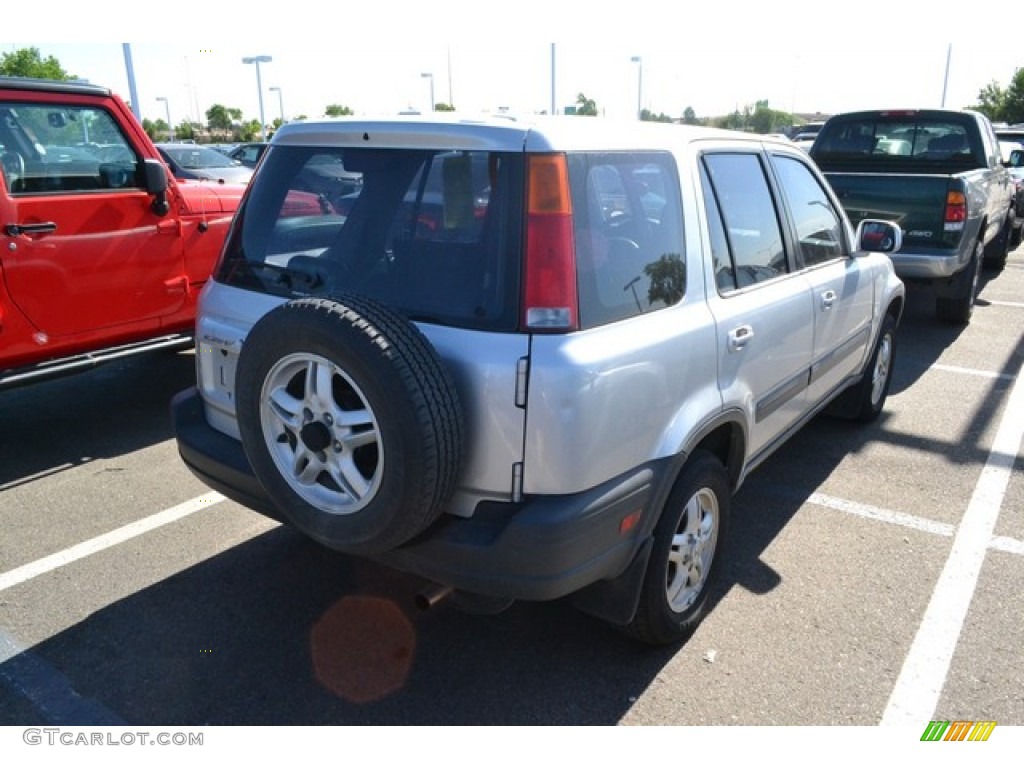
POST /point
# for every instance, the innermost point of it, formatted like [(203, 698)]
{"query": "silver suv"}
[(531, 360)]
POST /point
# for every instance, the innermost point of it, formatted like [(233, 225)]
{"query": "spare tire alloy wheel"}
[(350, 422), (321, 433), (686, 554)]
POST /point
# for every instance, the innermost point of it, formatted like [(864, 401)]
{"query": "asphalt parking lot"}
[(874, 576)]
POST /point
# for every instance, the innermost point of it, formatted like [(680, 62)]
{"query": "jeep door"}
[(841, 289), (762, 308), (84, 250)]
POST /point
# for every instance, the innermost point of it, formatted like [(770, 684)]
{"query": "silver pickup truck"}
[(940, 175)]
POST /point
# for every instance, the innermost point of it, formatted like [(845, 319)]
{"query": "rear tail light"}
[(549, 287), (956, 211)]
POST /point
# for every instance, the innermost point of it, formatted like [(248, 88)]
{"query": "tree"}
[(767, 120), (661, 117), (1013, 104), (690, 117), (991, 101), (249, 131), (155, 129), (442, 107), (585, 106), (221, 118), (186, 130), (337, 110), (28, 62)]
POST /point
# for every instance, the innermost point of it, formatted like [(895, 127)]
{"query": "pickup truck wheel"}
[(686, 555), (350, 422), (999, 249), (959, 307)]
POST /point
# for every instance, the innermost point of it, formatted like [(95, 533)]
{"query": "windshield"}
[(196, 157)]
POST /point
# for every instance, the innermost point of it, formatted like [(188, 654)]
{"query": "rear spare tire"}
[(350, 421)]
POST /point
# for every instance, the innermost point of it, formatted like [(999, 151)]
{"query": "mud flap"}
[(616, 600)]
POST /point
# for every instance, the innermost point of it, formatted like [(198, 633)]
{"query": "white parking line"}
[(972, 372), (919, 685), (117, 536), (50, 692), (885, 515), (1006, 544), (1017, 304)]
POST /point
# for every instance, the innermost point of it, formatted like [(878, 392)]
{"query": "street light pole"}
[(639, 85), (167, 110), (257, 60), (280, 100), (431, 76)]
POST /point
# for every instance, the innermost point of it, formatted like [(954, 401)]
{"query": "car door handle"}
[(42, 228), (828, 298), (739, 337)]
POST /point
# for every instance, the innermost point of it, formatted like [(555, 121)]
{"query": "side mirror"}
[(156, 185), (1016, 158), (878, 236)]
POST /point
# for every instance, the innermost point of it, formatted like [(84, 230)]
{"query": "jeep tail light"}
[(549, 287), (956, 211)]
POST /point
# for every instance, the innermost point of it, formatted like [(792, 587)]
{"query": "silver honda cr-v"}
[(528, 360)]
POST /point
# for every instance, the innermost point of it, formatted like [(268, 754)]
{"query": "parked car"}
[(1015, 164), (940, 174), (554, 389), (194, 162), (104, 254), (248, 154)]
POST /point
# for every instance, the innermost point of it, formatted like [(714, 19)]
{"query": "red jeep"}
[(105, 252)]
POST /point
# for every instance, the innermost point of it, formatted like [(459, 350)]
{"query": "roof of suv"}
[(537, 133)]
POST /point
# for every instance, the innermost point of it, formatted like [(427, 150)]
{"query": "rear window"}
[(909, 141), (434, 234)]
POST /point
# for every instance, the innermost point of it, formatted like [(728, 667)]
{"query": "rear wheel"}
[(686, 554), (958, 307), (999, 249)]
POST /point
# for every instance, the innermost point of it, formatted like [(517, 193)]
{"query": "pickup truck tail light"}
[(549, 288), (956, 211)]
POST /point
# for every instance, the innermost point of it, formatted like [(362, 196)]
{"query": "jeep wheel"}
[(688, 541), (959, 307), (350, 422)]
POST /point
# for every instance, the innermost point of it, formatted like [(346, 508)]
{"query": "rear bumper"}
[(541, 549), (928, 265)]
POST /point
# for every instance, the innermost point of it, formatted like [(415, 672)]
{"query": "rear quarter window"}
[(628, 231)]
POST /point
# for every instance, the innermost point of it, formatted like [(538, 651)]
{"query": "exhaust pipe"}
[(431, 595)]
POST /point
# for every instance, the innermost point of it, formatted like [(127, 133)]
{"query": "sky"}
[(713, 57)]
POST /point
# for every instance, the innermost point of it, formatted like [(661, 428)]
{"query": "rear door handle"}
[(740, 337), (42, 228)]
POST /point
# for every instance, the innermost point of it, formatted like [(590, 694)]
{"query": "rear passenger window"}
[(818, 226), (628, 232), (740, 190)]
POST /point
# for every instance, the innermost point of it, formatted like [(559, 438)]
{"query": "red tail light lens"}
[(549, 287), (956, 210)]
